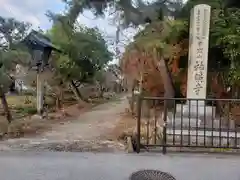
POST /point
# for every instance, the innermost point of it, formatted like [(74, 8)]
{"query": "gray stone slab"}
[(207, 138), (178, 122), (204, 133), (195, 111)]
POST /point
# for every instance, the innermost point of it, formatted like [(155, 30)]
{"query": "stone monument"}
[(195, 110)]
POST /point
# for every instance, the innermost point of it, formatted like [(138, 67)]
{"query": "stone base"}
[(197, 116), (203, 138), (184, 122), (196, 111), (194, 123)]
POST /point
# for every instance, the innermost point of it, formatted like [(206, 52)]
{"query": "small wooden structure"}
[(40, 47)]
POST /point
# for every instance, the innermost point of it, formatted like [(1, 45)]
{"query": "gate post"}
[(164, 141), (139, 110)]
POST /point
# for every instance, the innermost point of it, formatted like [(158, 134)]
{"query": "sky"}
[(33, 11)]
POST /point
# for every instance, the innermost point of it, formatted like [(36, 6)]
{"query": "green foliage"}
[(5, 80), (85, 51), (185, 11), (26, 110), (233, 3), (155, 37), (100, 76), (132, 13), (224, 35), (11, 51), (12, 32), (178, 31), (9, 59), (91, 44), (67, 67), (226, 32)]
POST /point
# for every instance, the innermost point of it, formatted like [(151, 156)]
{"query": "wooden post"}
[(141, 84), (5, 106), (39, 94), (139, 110)]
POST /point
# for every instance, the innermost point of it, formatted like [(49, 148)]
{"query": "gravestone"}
[(193, 111)]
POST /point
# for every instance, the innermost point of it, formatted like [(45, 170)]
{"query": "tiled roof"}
[(38, 39)]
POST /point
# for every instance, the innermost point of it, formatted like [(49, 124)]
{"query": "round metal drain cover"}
[(151, 175)]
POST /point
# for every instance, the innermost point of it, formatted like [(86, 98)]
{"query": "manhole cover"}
[(151, 175)]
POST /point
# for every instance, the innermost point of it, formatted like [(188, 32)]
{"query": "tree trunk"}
[(166, 78), (5, 106), (58, 104), (77, 93), (101, 91), (59, 99), (133, 97), (167, 81), (74, 12)]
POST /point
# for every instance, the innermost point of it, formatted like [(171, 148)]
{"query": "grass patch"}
[(23, 101), (22, 105), (26, 110)]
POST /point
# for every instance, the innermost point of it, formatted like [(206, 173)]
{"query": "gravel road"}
[(84, 134)]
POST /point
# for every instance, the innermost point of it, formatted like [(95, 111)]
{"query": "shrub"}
[(26, 110)]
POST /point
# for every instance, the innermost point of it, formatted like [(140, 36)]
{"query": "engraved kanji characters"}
[(199, 76), (197, 88), (199, 66)]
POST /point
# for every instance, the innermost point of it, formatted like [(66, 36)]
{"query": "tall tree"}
[(85, 53), (132, 12), (11, 53), (12, 31), (185, 11)]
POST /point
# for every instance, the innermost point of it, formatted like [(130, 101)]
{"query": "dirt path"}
[(87, 133)]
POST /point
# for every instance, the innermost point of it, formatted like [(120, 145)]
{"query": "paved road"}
[(106, 166)]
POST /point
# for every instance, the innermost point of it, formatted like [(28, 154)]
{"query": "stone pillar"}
[(198, 52), (197, 67), (198, 60)]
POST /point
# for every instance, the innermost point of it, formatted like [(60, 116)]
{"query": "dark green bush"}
[(26, 110)]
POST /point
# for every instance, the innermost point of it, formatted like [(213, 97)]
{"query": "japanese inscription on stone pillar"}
[(198, 66), (197, 73)]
